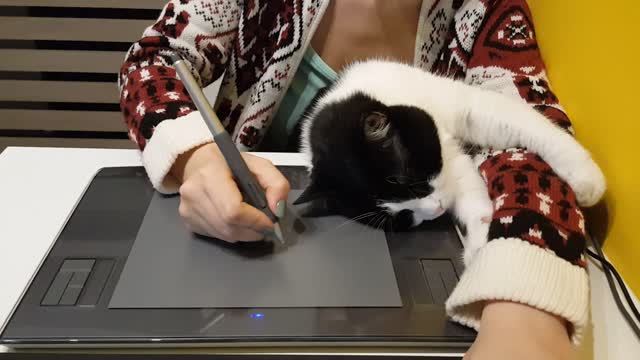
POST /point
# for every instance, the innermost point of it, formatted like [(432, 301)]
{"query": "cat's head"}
[(370, 158)]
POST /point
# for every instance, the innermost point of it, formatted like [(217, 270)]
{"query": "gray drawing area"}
[(329, 263)]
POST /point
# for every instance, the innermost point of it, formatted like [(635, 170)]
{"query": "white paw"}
[(468, 255), (587, 181), (477, 237), (475, 207)]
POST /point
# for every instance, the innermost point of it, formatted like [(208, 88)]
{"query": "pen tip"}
[(278, 232)]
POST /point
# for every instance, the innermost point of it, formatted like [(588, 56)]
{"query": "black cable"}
[(619, 280), (608, 269)]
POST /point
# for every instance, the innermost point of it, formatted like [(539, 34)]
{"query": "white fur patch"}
[(424, 209)]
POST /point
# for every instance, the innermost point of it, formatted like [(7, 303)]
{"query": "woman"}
[(275, 55)]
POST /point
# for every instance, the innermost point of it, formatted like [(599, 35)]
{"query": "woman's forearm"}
[(511, 330)]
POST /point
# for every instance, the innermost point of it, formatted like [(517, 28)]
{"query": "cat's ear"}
[(376, 126), (314, 191)]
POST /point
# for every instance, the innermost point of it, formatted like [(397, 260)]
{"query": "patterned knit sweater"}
[(536, 240)]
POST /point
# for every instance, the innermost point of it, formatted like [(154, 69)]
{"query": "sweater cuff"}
[(170, 139), (514, 270)]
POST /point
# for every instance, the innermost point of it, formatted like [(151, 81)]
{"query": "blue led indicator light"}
[(257, 315)]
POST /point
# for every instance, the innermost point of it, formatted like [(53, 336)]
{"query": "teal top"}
[(312, 75)]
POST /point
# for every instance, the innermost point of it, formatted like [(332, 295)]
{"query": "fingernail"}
[(281, 208)]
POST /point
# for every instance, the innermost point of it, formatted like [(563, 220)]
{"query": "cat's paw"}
[(468, 254), (475, 207), (587, 181), (477, 237)]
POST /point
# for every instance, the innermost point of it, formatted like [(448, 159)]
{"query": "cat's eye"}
[(376, 125)]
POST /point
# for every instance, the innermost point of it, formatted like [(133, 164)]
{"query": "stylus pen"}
[(254, 195)]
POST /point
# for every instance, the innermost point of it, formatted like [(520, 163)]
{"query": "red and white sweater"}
[(535, 252)]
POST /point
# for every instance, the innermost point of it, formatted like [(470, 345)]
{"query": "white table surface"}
[(39, 187)]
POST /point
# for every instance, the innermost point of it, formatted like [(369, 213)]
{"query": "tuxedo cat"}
[(384, 146)]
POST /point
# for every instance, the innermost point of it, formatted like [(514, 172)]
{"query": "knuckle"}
[(283, 185), (232, 213), (183, 189), (183, 210), (186, 189), (200, 177)]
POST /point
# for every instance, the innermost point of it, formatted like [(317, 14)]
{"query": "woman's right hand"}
[(211, 203)]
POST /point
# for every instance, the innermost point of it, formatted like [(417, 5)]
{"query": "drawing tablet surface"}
[(332, 262)]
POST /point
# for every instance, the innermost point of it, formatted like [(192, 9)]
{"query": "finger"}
[(270, 178), (224, 207), (244, 234), (195, 222), (208, 215), (231, 234), (200, 226), (224, 231), (241, 214)]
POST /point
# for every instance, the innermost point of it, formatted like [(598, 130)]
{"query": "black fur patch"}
[(360, 172)]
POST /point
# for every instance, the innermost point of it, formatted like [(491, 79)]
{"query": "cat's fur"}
[(385, 138)]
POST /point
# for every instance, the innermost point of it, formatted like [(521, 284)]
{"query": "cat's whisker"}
[(383, 220), (380, 220), (370, 220), (362, 216), (373, 221), (356, 218)]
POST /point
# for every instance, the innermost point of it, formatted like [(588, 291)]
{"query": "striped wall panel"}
[(58, 91), (115, 4), (51, 141), (64, 120), (41, 28), (40, 61), (58, 70)]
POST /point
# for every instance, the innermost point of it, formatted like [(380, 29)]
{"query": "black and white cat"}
[(385, 138)]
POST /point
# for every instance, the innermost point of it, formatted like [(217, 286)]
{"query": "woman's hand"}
[(515, 331), (211, 203)]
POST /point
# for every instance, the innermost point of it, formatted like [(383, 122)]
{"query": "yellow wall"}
[(591, 52)]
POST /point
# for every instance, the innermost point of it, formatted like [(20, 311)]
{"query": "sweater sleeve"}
[(537, 237), (161, 118)]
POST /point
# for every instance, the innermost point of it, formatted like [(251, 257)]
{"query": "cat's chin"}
[(402, 221)]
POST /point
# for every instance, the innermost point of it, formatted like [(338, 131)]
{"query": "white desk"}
[(40, 186)]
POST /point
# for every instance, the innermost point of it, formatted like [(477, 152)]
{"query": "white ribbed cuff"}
[(170, 139), (515, 270)]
